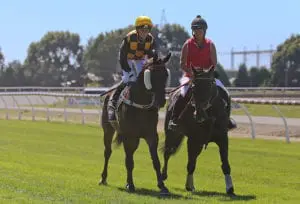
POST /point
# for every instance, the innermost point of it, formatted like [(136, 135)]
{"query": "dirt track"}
[(265, 128)]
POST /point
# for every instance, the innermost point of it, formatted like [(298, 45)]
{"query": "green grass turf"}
[(44, 162)]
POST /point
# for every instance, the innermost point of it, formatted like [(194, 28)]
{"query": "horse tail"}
[(118, 140), (173, 140)]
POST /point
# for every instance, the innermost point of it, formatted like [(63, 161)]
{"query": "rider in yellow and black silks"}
[(136, 47)]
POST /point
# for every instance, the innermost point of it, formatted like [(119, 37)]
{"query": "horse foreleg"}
[(153, 144), (194, 149), (108, 136), (165, 167), (223, 150), (130, 147)]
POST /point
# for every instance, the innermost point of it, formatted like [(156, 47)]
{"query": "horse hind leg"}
[(108, 136)]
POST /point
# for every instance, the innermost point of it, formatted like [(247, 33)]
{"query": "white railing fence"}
[(239, 103), (86, 108), (81, 89)]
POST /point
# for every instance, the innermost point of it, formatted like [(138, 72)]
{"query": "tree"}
[(264, 77), (174, 36), (171, 38), (222, 75), (242, 79), (259, 76), (286, 63), (254, 77), (101, 54), (55, 60), (2, 59), (11, 75)]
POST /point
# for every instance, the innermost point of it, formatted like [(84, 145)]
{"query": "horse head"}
[(203, 86), (155, 77)]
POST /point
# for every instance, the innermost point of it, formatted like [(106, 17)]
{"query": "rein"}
[(136, 105)]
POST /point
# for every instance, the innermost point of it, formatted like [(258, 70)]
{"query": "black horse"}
[(203, 94), (137, 116)]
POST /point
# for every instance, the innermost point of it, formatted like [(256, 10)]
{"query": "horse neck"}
[(139, 94)]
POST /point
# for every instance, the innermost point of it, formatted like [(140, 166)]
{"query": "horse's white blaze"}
[(169, 78), (147, 79), (228, 182)]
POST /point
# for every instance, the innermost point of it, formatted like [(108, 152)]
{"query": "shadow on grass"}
[(225, 197), (154, 193)]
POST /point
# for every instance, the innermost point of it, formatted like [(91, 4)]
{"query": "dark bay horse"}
[(137, 116), (204, 94)]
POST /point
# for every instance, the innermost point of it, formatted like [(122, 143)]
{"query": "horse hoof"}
[(102, 183), (164, 192), (230, 192), (191, 189), (130, 188)]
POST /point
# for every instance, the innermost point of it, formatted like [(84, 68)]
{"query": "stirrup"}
[(111, 113)]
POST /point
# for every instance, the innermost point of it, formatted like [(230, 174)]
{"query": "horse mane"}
[(148, 63)]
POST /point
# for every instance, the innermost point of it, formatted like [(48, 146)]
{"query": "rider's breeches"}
[(185, 88), (136, 68)]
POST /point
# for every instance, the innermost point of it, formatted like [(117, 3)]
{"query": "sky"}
[(232, 24)]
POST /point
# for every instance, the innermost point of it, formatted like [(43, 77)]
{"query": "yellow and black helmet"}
[(143, 22)]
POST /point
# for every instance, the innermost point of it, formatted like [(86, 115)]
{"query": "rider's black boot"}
[(113, 103)]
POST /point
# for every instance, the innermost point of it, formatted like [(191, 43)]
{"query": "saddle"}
[(188, 103), (124, 95)]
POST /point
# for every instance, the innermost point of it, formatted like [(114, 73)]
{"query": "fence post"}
[(19, 110), (83, 115), (6, 108), (253, 134), (81, 110), (99, 108), (65, 109), (287, 136), (32, 108), (47, 108)]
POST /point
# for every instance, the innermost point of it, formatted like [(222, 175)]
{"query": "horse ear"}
[(167, 58)]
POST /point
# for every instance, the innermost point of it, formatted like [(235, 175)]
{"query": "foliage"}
[(286, 63), (55, 60)]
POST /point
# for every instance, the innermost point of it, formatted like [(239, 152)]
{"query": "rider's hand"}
[(191, 73), (127, 70)]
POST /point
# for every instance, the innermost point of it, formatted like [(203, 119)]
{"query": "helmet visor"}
[(144, 27), (198, 27)]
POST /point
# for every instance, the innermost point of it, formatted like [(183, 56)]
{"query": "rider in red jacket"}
[(198, 52)]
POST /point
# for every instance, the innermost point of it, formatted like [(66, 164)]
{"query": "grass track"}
[(61, 163), (290, 111)]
